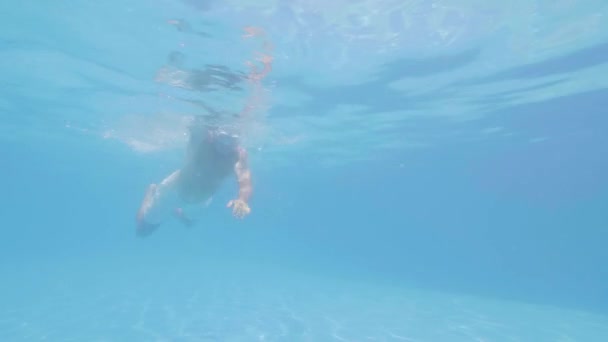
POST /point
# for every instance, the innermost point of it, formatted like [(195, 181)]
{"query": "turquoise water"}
[(422, 171)]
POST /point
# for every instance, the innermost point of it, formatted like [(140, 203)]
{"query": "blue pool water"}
[(422, 171)]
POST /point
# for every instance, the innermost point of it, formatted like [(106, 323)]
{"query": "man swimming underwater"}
[(212, 155)]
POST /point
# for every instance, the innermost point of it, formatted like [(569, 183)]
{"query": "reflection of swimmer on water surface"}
[(208, 79), (213, 154)]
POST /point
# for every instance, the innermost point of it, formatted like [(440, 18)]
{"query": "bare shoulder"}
[(242, 152), (241, 162)]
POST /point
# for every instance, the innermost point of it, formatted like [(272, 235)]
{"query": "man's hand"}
[(240, 208), (145, 228)]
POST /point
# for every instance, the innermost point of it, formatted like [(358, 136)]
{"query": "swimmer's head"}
[(204, 131), (223, 141), (223, 136)]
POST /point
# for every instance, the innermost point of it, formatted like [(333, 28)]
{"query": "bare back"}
[(206, 168)]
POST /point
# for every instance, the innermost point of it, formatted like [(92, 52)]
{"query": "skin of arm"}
[(154, 192), (243, 176), (241, 168)]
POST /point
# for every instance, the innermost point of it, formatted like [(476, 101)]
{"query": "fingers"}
[(241, 212), (239, 209), (237, 212)]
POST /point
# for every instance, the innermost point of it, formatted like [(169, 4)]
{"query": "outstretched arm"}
[(241, 168), (243, 176), (155, 194)]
